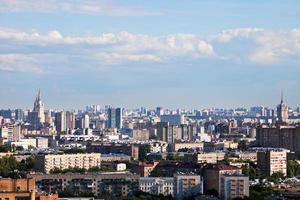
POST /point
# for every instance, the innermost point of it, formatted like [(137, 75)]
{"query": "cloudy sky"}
[(172, 53)]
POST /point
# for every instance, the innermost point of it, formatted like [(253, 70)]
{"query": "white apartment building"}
[(157, 185), (64, 161)]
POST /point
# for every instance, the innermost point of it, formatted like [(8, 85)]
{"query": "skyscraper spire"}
[(281, 96), (39, 95)]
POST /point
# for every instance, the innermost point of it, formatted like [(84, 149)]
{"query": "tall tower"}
[(39, 108), (282, 111)]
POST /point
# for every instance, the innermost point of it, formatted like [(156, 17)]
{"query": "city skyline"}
[(194, 54)]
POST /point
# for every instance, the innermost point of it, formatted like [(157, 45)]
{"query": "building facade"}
[(46, 163)]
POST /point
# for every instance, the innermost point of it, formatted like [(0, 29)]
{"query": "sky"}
[(132, 53)]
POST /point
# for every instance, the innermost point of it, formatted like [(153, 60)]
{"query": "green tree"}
[(144, 149), (293, 168), (5, 148)]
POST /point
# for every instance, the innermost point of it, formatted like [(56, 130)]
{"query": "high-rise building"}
[(271, 161), (6, 113), (70, 120), (166, 132), (39, 108), (85, 121), (282, 112), (287, 137), (159, 111), (114, 118), (19, 115), (60, 121)]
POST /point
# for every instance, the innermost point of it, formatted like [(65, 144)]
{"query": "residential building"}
[(46, 163), (213, 173), (17, 189), (287, 137), (234, 186), (60, 121), (270, 161), (157, 185), (104, 185), (187, 185), (211, 157)]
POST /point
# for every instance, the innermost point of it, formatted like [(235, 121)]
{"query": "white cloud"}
[(114, 48), (19, 63), (39, 52), (240, 33), (268, 47), (93, 7)]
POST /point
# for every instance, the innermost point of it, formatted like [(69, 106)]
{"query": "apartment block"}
[(211, 157), (19, 189), (48, 162), (271, 160), (115, 184), (187, 185), (234, 186), (157, 186), (213, 173)]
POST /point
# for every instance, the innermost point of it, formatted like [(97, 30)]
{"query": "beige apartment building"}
[(48, 162), (234, 186), (187, 185), (270, 161), (213, 174), (211, 157)]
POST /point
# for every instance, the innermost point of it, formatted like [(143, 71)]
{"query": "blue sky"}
[(190, 54)]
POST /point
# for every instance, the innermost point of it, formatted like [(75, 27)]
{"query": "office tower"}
[(19, 115), (85, 121), (70, 120), (234, 186), (60, 121), (48, 118), (114, 118), (270, 161), (39, 108), (282, 112), (287, 137), (173, 119), (6, 114), (159, 111), (34, 120), (166, 132), (187, 185)]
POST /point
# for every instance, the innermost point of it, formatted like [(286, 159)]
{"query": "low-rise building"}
[(157, 185), (114, 184), (11, 189), (211, 157), (187, 145)]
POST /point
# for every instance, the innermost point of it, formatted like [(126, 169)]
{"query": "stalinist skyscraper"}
[(39, 108), (282, 112)]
